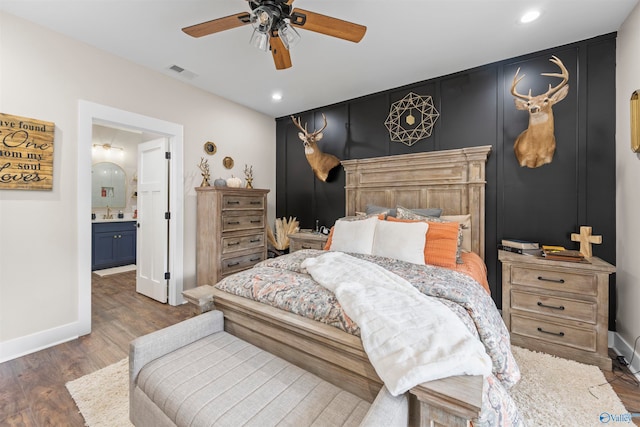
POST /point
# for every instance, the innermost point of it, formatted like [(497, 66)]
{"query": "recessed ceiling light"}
[(277, 96), (530, 16)]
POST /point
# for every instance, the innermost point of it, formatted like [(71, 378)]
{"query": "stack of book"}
[(523, 247), (559, 253)]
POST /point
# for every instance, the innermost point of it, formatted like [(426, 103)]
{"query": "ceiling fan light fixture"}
[(288, 35), (260, 40), (262, 18)]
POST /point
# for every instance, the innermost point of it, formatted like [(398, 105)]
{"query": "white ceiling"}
[(406, 41)]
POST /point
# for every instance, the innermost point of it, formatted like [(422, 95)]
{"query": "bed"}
[(453, 180)]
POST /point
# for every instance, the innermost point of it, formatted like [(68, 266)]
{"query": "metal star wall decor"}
[(401, 121)]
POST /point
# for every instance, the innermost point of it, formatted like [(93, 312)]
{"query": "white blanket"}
[(410, 338)]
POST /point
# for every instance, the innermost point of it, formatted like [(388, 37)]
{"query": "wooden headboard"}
[(453, 180)]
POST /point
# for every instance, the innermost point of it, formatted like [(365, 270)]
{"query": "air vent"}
[(183, 73)]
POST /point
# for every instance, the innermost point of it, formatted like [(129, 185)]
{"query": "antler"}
[(298, 125), (564, 75), (515, 82), (306, 133)]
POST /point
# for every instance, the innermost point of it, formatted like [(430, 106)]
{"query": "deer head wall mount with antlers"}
[(321, 163), (536, 145)]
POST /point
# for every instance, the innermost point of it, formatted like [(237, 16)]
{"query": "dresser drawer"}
[(563, 308), (235, 264), (233, 201), (554, 332), (240, 243), (556, 280), (242, 222)]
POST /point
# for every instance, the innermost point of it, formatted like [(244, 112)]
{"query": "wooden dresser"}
[(230, 231), (557, 307), (306, 240)]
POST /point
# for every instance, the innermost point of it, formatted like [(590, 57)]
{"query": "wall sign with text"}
[(26, 153)]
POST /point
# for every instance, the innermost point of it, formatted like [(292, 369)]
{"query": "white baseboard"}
[(22, 346), (621, 347)]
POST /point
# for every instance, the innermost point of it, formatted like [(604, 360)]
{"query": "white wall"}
[(43, 75), (627, 191)]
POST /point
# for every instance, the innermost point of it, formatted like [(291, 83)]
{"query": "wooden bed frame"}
[(453, 180)]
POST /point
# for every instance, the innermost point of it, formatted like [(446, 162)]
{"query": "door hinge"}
[(167, 155), (167, 215), (167, 275)]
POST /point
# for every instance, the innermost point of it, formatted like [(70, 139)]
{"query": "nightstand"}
[(306, 240), (557, 307)]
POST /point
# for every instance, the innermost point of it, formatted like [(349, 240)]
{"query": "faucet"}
[(108, 215)]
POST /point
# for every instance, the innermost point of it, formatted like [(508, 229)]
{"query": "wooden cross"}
[(586, 239)]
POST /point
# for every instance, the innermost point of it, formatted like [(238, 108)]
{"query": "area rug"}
[(103, 396), (560, 392), (115, 270), (552, 392)]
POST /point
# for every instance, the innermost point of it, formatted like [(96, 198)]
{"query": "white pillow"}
[(354, 236), (401, 240)]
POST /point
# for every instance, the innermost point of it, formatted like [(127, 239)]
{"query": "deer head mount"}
[(536, 145), (321, 163)]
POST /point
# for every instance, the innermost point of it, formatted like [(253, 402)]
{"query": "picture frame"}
[(227, 162), (210, 148), (635, 121)]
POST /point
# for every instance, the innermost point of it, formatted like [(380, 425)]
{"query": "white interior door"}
[(153, 228)]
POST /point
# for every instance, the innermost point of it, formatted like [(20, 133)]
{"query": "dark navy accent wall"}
[(476, 107)]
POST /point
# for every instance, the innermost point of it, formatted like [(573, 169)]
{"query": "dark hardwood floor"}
[(32, 388)]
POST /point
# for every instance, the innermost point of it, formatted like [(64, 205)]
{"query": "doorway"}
[(89, 114)]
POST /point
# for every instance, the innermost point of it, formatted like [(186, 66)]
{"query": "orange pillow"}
[(441, 243), (328, 244)]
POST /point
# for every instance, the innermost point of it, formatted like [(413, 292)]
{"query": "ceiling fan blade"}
[(281, 56), (327, 25), (217, 25)]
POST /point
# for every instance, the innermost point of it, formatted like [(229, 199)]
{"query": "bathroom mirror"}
[(108, 186)]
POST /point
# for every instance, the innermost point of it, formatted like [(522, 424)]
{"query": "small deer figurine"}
[(536, 145), (321, 163)]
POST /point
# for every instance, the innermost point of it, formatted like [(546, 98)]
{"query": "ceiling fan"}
[(274, 21)]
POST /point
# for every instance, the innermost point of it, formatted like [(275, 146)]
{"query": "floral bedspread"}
[(281, 283)]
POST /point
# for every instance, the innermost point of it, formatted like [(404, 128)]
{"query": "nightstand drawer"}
[(240, 243), (233, 201), (556, 280), (306, 240), (232, 265), (298, 245), (554, 332), (564, 308)]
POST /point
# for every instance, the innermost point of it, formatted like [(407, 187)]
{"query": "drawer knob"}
[(233, 222), (306, 247), (255, 221), (256, 203), (559, 334), (233, 202), (233, 264), (233, 243), (254, 259), (547, 279), (255, 240), (555, 307)]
